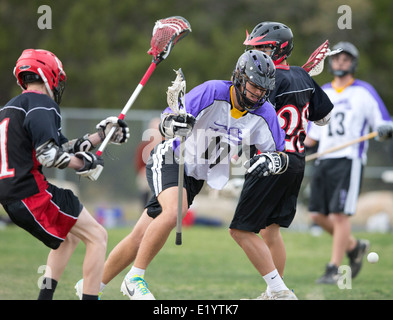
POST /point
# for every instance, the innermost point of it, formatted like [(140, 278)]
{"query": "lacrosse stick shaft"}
[(342, 146), (128, 105), (180, 193)]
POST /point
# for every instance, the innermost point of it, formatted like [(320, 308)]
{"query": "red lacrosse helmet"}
[(38, 64), (275, 35)]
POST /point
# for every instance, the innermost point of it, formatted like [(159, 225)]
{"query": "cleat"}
[(79, 290), (356, 256), (264, 296), (279, 295), (136, 288), (283, 295), (331, 275)]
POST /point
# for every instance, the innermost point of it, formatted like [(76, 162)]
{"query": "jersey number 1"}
[(5, 172)]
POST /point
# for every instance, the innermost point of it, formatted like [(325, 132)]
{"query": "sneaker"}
[(331, 275), (279, 295), (283, 295), (136, 288), (356, 256), (264, 296), (79, 290)]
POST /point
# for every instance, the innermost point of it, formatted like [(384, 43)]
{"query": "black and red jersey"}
[(26, 122), (297, 99)]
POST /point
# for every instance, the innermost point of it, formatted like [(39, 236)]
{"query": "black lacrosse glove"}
[(385, 131), (177, 125), (268, 163), (92, 165)]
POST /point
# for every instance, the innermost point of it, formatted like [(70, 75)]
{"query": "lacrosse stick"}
[(166, 33), (315, 63), (176, 101), (342, 146)]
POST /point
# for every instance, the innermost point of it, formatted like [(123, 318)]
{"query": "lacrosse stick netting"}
[(315, 64), (175, 93), (176, 101), (166, 33)]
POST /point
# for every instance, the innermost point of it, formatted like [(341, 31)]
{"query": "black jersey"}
[(26, 122), (297, 99)]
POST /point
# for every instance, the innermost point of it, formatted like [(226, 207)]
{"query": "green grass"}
[(209, 265)]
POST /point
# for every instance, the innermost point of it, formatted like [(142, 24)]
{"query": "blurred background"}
[(103, 46)]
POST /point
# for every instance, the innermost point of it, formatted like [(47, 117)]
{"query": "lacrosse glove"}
[(267, 164), (385, 131), (121, 134), (177, 125), (92, 165)]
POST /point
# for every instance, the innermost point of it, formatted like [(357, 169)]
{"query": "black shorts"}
[(335, 186), (268, 200), (48, 215), (162, 172)]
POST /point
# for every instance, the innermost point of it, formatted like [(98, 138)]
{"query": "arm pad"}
[(324, 121), (51, 155)]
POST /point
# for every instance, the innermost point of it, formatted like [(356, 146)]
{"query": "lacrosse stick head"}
[(166, 33), (315, 64), (176, 92)]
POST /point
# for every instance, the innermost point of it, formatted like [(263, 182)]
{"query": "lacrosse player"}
[(30, 139), (221, 116), (337, 175), (269, 202)]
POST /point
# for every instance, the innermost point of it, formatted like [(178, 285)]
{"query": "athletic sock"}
[(48, 288), (274, 282), (89, 297), (136, 272)]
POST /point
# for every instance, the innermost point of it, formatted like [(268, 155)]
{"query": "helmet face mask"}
[(347, 49), (275, 35), (254, 72), (45, 65)]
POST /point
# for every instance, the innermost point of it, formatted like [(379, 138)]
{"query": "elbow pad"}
[(51, 155), (324, 121)]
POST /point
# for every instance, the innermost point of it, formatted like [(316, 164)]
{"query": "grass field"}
[(208, 266)]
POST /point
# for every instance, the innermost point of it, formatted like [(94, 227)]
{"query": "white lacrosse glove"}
[(177, 125), (121, 134), (92, 165), (266, 164)]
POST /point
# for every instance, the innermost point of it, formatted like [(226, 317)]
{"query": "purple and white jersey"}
[(357, 110), (220, 129)]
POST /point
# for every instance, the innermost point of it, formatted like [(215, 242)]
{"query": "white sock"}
[(102, 286), (274, 282), (136, 272)]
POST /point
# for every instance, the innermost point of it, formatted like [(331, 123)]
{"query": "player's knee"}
[(99, 236), (235, 234), (103, 236), (170, 214), (315, 217)]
